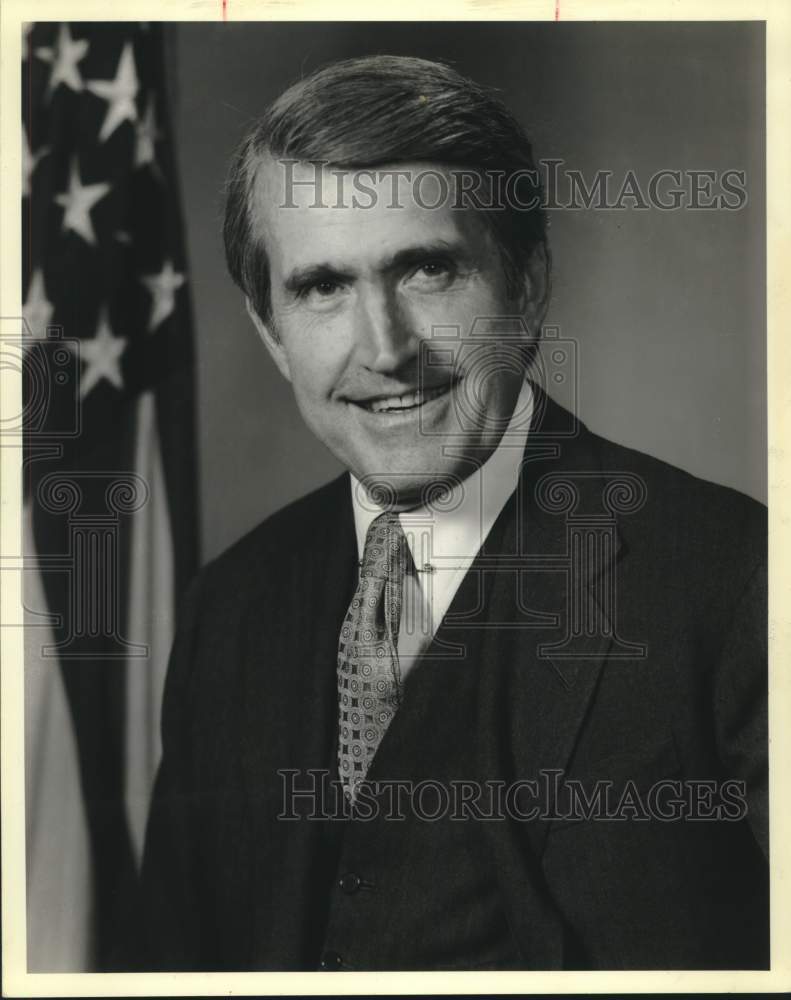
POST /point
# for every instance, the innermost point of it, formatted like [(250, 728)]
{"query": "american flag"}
[(110, 478)]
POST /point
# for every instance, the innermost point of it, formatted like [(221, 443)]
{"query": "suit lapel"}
[(292, 644), (533, 611), (540, 663), (548, 631), (289, 709)]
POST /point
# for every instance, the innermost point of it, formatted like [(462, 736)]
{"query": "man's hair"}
[(378, 110)]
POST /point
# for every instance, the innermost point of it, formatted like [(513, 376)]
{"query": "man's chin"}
[(406, 490)]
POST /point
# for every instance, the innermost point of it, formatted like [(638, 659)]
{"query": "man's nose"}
[(386, 338)]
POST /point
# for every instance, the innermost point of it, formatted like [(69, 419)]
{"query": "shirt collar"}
[(451, 533)]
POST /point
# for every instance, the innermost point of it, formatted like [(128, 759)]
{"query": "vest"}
[(409, 890)]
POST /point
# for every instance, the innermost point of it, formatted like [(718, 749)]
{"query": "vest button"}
[(331, 961), (349, 883)]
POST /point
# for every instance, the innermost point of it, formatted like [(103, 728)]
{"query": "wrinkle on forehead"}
[(293, 221)]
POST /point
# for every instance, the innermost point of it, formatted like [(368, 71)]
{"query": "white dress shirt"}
[(445, 538)]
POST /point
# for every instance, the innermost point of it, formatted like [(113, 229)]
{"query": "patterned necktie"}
[(368, 675)]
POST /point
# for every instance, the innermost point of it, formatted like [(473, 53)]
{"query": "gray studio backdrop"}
[(667, 309)]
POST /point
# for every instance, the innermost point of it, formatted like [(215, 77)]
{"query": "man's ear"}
[(535, 294), (270, 339)]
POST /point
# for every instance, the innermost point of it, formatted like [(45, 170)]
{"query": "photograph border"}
[(16, 980)]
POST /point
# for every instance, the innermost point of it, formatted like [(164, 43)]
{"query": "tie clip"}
[(425, 568)]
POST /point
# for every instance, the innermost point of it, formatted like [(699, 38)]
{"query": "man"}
[(497, 697)]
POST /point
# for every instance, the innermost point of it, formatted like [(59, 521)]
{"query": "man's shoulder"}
[(664, 490), (675, 501), (671, 483), (293, 532)]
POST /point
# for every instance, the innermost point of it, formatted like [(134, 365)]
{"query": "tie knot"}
[(385, 548)]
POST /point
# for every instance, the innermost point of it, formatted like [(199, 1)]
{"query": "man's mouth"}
[(404, 403)]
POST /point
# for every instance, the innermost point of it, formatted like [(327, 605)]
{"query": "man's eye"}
[(433, 275), (320, 292), (322, 289), (434, 268)]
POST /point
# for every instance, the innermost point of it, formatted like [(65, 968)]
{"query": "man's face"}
[(355, 291)]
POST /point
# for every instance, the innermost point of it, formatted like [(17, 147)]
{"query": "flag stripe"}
[(59, 881), (150, 621)]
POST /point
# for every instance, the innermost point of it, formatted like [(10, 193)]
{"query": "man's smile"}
[(402, 403)]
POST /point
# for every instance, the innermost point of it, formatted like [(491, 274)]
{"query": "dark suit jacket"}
[(620, 634)]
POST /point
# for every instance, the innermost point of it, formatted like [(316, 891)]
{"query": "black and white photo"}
[(394, 484)]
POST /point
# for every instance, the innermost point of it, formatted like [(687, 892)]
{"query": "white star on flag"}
[(29, 163), (37, 310), (120, 93), (146, 135), (78, 202), (64, 59), (102, 357), (163, 287)]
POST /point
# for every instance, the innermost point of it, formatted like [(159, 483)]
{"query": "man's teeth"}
[(407, 402)]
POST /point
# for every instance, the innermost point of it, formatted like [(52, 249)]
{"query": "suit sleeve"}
[(169, 928), (740, 700)]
